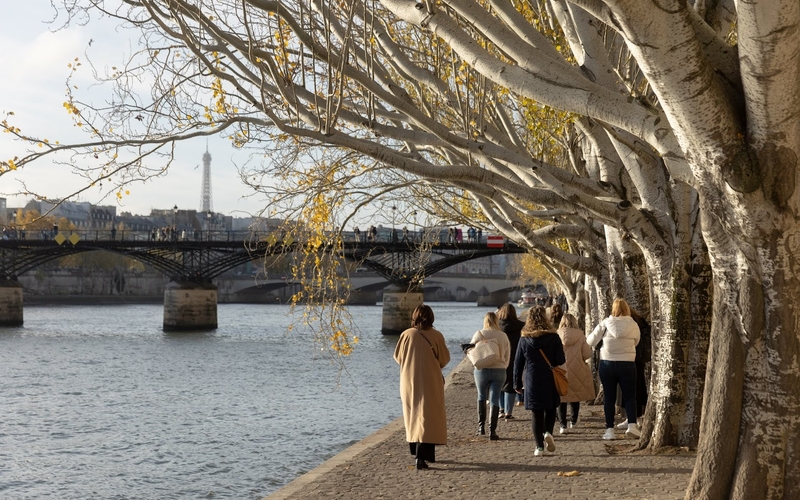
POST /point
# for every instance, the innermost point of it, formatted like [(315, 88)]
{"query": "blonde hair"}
[(490, 321), (568, 321), (620, 308)]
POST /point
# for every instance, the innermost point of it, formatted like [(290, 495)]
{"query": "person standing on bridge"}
[(421, 353)]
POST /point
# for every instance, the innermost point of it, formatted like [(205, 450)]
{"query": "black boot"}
[(495, 412), (421, 464), (481, 418)]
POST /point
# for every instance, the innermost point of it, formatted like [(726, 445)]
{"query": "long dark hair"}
[(422, 317), (556, 313), (507, 312)]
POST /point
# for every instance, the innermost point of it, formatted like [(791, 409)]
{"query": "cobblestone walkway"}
[(379, 467)]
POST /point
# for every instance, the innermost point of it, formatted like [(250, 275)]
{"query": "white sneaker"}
[(562, 430), (549, 442), (609, 435), (572, 424), (623, 425), (633, 430)]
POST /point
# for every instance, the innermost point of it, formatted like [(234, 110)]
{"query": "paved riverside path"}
[(380, 467)]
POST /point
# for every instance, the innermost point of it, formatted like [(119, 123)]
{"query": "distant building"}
[(85, 216), (129, 222), (82, 215)]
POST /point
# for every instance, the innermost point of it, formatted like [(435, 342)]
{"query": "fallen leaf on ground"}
[(572, 473)]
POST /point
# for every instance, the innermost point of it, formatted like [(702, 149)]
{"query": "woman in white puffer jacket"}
[(620, 335)]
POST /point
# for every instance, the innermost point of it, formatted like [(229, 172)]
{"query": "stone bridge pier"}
[(10, 302), (398, 304), (189, 305), (497, 299)]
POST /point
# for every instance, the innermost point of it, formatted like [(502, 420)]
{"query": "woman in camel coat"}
[(421, 353), (581, 385)]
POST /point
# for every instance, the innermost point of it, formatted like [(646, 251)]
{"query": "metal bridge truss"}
[(405, 263), (399, 263), (193, 260)]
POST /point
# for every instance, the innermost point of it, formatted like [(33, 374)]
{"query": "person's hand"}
[(518, 391)]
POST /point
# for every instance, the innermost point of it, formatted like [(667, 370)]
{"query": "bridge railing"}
[(188, 235), (132, 235)]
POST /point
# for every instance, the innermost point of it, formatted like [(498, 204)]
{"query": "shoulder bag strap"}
[(545, 359), (424, 337)]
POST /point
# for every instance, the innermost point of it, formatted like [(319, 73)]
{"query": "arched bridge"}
[(211, 254), (403, 263)]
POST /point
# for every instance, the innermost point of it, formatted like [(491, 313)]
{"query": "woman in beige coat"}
[(581, 385), (421, 353)]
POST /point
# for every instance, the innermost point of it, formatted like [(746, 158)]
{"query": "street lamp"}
[(175, 223), (394, 234), (414, 216), (208, 226)]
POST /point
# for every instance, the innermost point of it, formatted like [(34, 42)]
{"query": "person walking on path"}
[(541, 396), (581, 385), (511, 326), (489, 380), (642, 363), (620, 336), (421, 353), (556, 313)]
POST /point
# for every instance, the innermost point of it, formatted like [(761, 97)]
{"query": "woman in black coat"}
[(541, 396), (512, 328)]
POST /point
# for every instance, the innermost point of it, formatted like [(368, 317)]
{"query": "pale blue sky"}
[(34, 65)]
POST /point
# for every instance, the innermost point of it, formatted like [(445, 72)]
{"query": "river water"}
[(99, 402)]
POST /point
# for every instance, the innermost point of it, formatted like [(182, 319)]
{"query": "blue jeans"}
[(624, 374), (490, 381), (508, 402)]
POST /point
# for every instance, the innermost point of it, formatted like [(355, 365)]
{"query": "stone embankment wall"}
[(115, 285), (93, 284)]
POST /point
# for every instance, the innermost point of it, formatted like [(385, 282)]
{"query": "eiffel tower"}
[(205, 192)]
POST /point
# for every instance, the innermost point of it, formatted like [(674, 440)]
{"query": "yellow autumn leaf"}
[(569, 474)]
